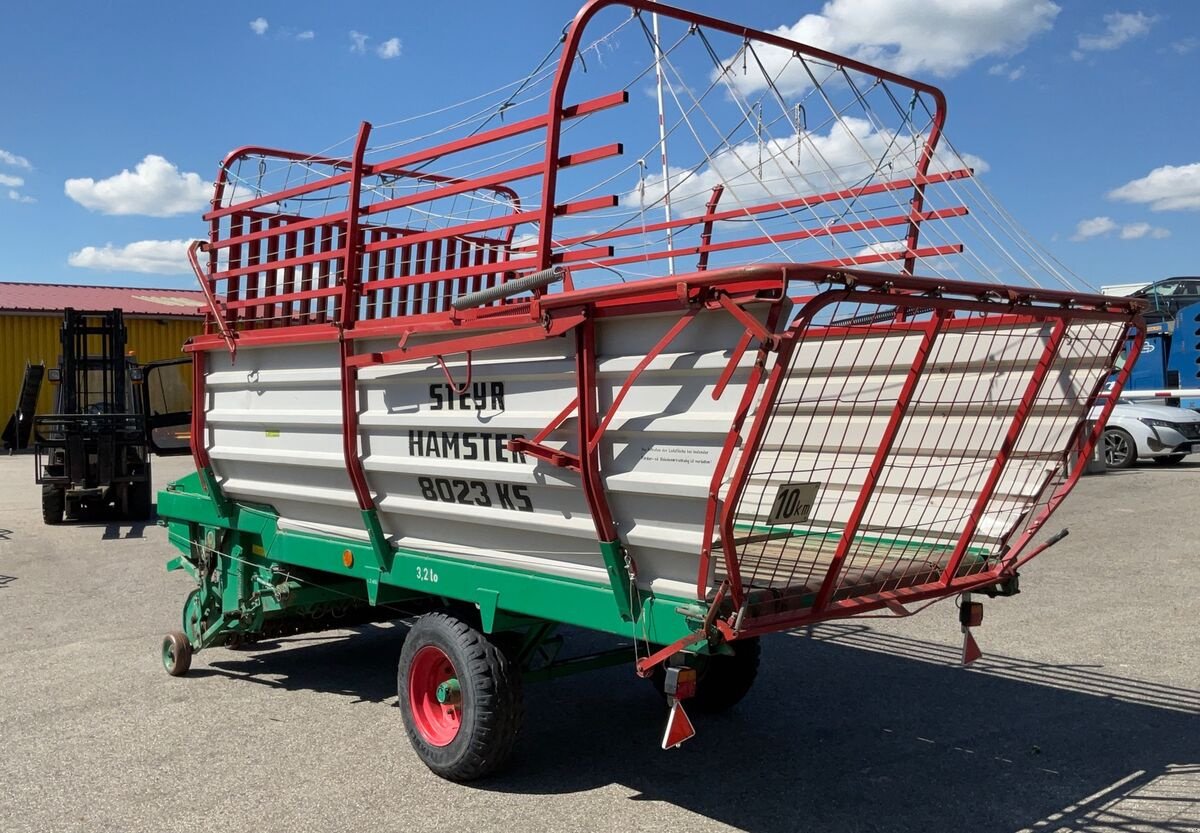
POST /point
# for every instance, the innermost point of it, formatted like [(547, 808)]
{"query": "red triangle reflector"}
[(679, 727), (971, 650)]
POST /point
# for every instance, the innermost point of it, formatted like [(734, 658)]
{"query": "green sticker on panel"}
[(271, 433)]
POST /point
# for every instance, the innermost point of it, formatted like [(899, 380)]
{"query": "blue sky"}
[(1086, 113)]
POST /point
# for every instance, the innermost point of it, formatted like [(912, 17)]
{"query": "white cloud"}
[(938, 37), (259, 25), (1183, 47), (882, 248), (1136, 231), (1169, 188), (358, 41), (307, 34), (14, 160), (1011, 73), (155, 188), (390, 48), (156, 257), (854, 148), (1104, 226), (1119, 28), (1094, 227), (12, 183)]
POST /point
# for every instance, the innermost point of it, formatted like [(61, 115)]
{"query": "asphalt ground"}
[(1084, 713)]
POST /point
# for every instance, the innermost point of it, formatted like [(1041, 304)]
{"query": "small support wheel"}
[(460, 697), (176, 654), (722, 680)]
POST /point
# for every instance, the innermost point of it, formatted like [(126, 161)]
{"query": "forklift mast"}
[(93, 381)]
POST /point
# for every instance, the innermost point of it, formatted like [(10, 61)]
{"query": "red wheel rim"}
[(436, 721)]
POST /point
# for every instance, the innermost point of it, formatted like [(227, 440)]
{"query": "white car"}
[(1160, 433)]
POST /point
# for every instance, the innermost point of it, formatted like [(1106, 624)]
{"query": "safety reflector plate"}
[(679, 727), (971, 650)]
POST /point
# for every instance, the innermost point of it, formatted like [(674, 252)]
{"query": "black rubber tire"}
[(176, 654), (53, 503), (1120, 451), (1170, 459), (492, 708), (722, 680), (140, 500)]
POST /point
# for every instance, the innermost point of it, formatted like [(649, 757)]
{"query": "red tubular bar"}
[(196, 441), (886, 257), (458, 187), (349, 375), (678, 327), (571, 48), (1014, 558), (867, 490), (456, 232), (1006, 448), (707, 226), (732, 441), (784, 237), (272, 198), (711, 215), (589, 456), (505, 131)]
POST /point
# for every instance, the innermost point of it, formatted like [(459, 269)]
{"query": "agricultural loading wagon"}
[(785, 362)]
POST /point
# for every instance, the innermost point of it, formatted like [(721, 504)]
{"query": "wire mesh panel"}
[(899, 450)]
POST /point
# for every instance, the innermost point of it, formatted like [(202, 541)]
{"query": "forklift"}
[(92, 455)]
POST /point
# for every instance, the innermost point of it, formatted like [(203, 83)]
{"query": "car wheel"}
[(1170, 459), (1119, 450)]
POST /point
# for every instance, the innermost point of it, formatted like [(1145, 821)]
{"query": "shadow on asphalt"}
[(114, 526), (847, 728)]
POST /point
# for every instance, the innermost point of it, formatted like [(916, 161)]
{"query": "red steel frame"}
[(916, 293), (233, 318)]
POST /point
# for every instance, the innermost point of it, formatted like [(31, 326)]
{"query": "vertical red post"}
[(589, 453), (351, 279), (350, 290), (895, 421), (1006, 447)]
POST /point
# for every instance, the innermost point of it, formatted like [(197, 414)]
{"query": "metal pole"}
[(662, 141)]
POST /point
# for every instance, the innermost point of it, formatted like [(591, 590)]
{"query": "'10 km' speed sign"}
[(792, 503)]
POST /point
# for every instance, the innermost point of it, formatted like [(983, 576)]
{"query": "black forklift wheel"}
[(53, 503), (176, 654), (460, 697)]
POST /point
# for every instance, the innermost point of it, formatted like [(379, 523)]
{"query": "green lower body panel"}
[(255, 578)]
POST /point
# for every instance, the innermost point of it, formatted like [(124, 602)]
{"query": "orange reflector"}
[(679, 727), (970, 614), (348, 558)]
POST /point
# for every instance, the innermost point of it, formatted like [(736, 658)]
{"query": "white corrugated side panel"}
[(437, 461)]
